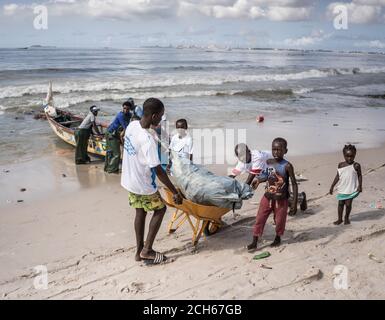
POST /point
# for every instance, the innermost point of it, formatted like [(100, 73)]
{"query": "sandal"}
[(158, 259)]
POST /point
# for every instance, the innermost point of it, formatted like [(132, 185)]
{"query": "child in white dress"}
[(349, 183)]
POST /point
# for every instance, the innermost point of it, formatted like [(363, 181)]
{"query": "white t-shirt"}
[(140, 157), (182, 146), (256, 165)]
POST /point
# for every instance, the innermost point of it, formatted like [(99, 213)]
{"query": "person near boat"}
[(114, 137), (82, 134)]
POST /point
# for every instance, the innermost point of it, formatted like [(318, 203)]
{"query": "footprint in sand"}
[(133, 287), (303, 236)]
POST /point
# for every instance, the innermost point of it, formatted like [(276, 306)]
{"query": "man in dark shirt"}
[(114, 135)]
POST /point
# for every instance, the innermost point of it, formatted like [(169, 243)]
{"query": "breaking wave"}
[(151, 82)]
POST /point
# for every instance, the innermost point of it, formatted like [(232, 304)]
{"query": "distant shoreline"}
[(201, 48)]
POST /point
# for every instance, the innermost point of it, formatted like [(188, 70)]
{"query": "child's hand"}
[(331, 191), (168, 169), (359, 189)]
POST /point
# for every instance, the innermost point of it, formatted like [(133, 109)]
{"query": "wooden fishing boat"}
[(64, 124)]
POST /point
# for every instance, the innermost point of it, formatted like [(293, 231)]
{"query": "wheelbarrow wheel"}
[(211, 229)]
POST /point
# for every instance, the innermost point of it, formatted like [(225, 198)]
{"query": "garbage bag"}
[(204, 187)]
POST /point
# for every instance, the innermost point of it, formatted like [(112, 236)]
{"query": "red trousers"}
[(266, 206)]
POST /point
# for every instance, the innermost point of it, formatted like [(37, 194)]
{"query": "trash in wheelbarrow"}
[(204, 187)]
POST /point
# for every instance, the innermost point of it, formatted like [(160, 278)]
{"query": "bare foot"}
[(147, 254), (137, 254), (276, 242), (337, 222), (346, 221)]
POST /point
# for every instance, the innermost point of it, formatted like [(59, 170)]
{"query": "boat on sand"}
[(64, 124)]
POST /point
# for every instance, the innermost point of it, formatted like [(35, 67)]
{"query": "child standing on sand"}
[(254, 162), (181, 142), (276, 198), (348, 181)]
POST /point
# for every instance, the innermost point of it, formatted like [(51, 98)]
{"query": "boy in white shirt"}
[(140, 167), (181, 142), (251, 161)]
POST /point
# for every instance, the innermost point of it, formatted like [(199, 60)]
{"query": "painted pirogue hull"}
[(96, 145)]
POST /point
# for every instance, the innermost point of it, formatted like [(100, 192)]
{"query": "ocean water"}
[(210, 88)]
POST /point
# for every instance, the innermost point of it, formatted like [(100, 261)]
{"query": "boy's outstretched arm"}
[(162, 176), (357, 167), (336, 179), (258, 180), (250, 178), (290, 171)]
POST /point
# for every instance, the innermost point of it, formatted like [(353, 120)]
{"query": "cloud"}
[(370, 2), (288, 13), (315, 37), (377, 44), (360, 11), (275, 10), (118, 9), (374, 44), (12, 8)]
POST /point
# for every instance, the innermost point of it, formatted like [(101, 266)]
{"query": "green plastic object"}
[(262, 255)]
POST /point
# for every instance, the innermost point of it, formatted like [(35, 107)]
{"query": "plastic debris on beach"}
[(300, 177), (262, 255), (260, 118), (376, 205), (374, 258), (204, 187)]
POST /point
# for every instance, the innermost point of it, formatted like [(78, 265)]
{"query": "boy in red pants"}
[(276, 197)]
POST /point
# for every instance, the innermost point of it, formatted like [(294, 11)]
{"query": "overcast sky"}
[(302, 24)]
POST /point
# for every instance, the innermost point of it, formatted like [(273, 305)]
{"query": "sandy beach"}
[(76, 222), (299, 79)]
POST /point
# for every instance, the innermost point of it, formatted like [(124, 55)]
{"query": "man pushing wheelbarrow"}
[(201, 188), (140, 167)]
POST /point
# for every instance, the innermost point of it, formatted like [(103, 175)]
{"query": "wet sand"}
[(80, 227)]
